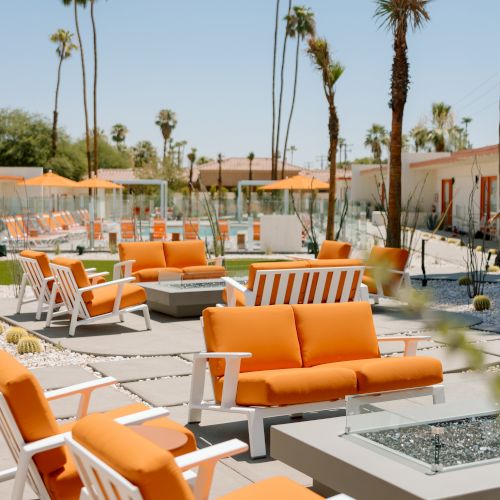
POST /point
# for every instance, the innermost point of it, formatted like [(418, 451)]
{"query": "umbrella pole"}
[(92, 219)]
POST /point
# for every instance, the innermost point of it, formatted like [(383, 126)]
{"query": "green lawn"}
[(235, 267)]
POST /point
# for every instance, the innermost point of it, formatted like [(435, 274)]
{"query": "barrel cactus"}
[(464, 281), (14, 334), (481, 303), (494, 269), (29, 344), (2, 328)]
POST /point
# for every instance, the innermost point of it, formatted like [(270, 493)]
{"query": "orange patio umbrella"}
[(96, 183), (296, 183), (49, 179)]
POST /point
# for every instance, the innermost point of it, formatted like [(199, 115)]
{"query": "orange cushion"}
[(147, 254), (152, 273), (268, 332), (41, 258), (291, 386), (30, 409), (104, 298), (394, 373), (185, 253), (79, 273), (272, 489), (240, 297), (370, 283), (335, 332), (203, 272), (382, 260), (334, 250), (140, 461), (264, 266)]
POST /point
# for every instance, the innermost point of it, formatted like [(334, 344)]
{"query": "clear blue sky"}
[(211, 63)]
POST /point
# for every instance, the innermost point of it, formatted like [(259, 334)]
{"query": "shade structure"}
[(50, 179), (96, 183), (296, 183)]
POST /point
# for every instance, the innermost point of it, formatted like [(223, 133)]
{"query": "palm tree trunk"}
[(333, 130), (280, 101), (393, 238), (96, 131), (84, 82), (292, 107), (54, 122), (250, 175), (274, 85), (190, 187)]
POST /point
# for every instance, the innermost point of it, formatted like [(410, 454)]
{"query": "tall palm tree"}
[(166, 120), (376, 138), (398, 16), (442, 125), (420, 136), (118, 134), (331, 71), (96, 130), (275, 50), (299, 24), (466, 120), (65, 47), (250, 158), (75, 4), (219, 180), (192, 158), (292, 150)]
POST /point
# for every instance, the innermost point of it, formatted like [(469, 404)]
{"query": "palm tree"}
[(292, 150), (144, 155), (331, 71), (84, 80), (420, 136), (192, 158), (167, 121), (96, 130), (466, 120), (118, 134), (299, 24), (275, 49), (442, 125), (250, 158), (376, 137), (219, 181), (65, 47), (397, 16)]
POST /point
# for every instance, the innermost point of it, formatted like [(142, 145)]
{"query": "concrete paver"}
[(55, 377), (454, 361)]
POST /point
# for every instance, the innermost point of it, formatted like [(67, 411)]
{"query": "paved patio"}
[(155, 367)]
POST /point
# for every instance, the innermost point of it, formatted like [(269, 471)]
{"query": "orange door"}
[(488, 198), (447, 201)]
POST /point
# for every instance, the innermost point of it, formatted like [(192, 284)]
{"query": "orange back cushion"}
[(383, 259), (30, 409), (185, 253), (265, 266), (146, 254), (335, 332), (334, 250), (268, 332), (41, 258), (152, 469), (79, 273)]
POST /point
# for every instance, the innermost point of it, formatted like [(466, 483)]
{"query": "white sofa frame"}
[(269, 277), (72, 297), (26, 471), (256, 414)]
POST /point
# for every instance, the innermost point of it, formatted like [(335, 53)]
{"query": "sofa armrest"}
[(217, 261), (226, 355), (231, 286), (411, 343)]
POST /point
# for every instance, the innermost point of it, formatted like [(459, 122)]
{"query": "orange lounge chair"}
[(97, 230), (256, 231), (116, 462), (224, 229), (191, 230), (36, 440), (281, 360), (127, 230), (159, 230)]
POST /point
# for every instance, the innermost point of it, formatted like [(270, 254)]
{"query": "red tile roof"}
[(459, 155)]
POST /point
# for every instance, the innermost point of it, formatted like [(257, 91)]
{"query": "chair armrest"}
[(90, 269), (230, 282), (227, 355), (124, 267), (411, 343), (108, 283), (48, 279), (142, 416)]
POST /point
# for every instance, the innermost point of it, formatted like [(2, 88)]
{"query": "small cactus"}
[(29, 344), (14, 334), (2, 329), (493, 269), (464, 281), (479, 248), (481, 303)]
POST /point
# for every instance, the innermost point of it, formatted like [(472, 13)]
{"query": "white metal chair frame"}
[(26, 471), (33, 276), (269, 277), (404, 281), (72, 297), (256, 414)]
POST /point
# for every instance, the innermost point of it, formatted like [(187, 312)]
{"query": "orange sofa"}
[(283, 359), (187, 258)]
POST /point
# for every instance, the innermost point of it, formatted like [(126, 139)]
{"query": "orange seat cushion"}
[(240, 297), (272, 489), (185, 253), (268, 332), (79, 273), (203, 272), (393, 373), (147, 254), (104, 298), (146, 465), (335, 332), (153, 273), (334, 250), (380, 262), (291, 386), (41, 258), (30, 409)]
